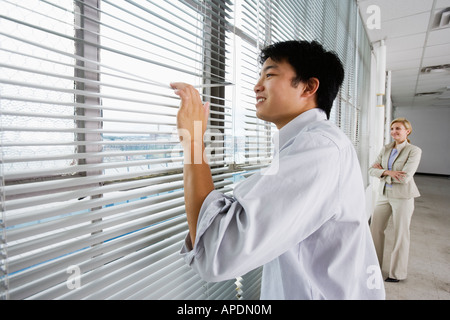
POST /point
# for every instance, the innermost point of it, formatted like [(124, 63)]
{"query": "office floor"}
[(429, 258)]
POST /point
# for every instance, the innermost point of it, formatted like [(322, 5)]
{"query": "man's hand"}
[(192, 120), (192, 115)]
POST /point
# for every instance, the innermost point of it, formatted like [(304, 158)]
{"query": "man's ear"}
[(311, 87)]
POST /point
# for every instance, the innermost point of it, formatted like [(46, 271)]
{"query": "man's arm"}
[(192, 120)]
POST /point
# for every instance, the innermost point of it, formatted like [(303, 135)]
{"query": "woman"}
[(395, 167)]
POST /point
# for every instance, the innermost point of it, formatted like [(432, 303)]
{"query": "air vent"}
[(433, 69), (442, 19), (422, 94)]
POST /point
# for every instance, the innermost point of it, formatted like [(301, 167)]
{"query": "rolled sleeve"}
[(215, 203)]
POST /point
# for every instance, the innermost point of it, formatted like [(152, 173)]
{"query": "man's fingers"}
[(186, 92), (180, 90), (206, 107), (178, 85), (191, 106)]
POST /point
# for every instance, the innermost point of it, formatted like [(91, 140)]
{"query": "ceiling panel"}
[(413, 41), (443, 4), (399, 8), (437, 51), (408, 42), (437, 37), (413, 54), (401, 75), (434, 61)]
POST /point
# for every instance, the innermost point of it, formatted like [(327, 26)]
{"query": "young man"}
[(304, 219)]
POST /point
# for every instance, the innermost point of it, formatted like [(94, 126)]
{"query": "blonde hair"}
[(406, 123)]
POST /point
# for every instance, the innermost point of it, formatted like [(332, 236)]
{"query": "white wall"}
[(431, 133)]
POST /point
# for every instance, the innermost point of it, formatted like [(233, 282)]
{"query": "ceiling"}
[(417, 35)]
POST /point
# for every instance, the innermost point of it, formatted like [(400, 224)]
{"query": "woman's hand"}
[(377, 166), (398, 175)]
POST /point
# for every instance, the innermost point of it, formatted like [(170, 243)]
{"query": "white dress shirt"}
[(304, 219)]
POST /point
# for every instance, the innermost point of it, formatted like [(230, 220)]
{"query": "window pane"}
[(37, 87)]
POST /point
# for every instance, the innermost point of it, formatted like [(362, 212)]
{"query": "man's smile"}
[(260, 100)]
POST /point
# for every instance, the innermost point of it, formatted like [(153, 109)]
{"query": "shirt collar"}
[(296, 125), (401, 145)]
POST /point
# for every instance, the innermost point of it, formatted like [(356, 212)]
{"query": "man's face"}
[(277, 100)]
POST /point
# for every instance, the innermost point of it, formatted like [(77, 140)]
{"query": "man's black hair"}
[(310, 60)]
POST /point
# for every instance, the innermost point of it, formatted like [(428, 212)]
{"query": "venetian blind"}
[(91, 166), (253, 137), (337, 26), (92, 191)]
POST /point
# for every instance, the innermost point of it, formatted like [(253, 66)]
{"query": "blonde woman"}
[(395, 167)]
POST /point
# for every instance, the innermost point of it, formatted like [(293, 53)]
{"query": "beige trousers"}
[(401, 211)]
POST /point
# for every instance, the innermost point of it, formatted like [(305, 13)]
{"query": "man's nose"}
[(258, 88)]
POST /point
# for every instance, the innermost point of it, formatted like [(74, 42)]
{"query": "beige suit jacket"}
[(408, 161)]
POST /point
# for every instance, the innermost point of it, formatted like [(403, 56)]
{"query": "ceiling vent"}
[(442, 19), (436, 69), (424, 94)]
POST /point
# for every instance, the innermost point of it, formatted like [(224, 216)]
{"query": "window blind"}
[(91, 165), (253, 137), (91, 192), (332, 23)]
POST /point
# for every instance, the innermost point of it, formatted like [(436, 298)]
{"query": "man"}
[(304, 219)]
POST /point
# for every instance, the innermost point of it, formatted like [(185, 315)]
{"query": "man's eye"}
[(269, 75)]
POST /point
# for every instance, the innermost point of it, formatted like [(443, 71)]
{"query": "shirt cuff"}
[(205, 217)]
